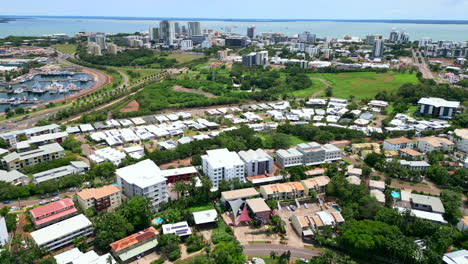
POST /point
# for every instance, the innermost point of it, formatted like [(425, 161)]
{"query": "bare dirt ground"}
[(388, 78), (187, 90), (176, 163), (130, 107)]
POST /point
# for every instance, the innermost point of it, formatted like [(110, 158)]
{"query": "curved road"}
[(321, 91), (265, 249)]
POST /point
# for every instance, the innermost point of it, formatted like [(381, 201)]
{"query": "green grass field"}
[(316, 86), (66, 48), (293, 140), (200, 208), (364, 84), (181, 58)]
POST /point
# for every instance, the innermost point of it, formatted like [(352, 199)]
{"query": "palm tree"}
[(180, 187)]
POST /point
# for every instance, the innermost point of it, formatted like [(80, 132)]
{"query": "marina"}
[(42, 87)]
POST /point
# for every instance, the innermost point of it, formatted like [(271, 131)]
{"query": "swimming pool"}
[(158, 220), (396, 194), (336, 207)]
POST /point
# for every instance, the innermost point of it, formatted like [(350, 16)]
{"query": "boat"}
[(34, 99), (54, 87), (11, 99), (38, 90), (84, 79), (36, 85), (63, 90), (18, 90), (73, 87)]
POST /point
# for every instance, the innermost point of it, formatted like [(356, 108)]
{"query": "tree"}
[(438, 174), (330, 257), (169, 245), (104, 170), (388, 197), (452, 203), (228, 252), (137, 211), (109, 228), (194, 242)]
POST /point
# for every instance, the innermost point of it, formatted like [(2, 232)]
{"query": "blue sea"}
[(437, 30)]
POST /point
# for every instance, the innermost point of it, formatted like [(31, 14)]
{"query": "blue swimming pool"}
[(158, 220), (336, 207), (396, 194)]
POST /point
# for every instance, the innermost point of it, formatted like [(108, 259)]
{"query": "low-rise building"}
[(411, 153), (317, 184), (429, 144), (256, 162), (144, 179), (14, 160), (415, 165), (205, 217), (427, 203), (356, 148), (462, 225), (104, 198), (282, 191), (75, 256), (62, 233), (14, 177), (307, 154), (180, 229), (306, 224), (239, 194), (260, 209), (135, 245), (378, 195), (456, 257), (179, 174), (377, 185), (57, 137), (396, 144), (352, 171), (52, 213), (75, 167)]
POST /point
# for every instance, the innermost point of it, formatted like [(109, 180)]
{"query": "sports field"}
[(364, 84)]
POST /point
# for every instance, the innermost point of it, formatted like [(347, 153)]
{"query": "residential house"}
[(138, 244), (396, 144), (429, 144), (239, 194), (260, 209), (317, 184), (306, 224), (282, 191)]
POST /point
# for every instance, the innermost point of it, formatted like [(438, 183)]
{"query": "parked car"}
[(55, 194), (55, 199), (293, 207), (288, 208), (306, 206), (13, 208), (7, 202), (42, 202)]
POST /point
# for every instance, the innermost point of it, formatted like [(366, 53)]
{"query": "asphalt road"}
[(26, 203), (265, 249), (423, 68)]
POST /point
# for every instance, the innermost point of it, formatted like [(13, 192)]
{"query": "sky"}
[(242, 9)]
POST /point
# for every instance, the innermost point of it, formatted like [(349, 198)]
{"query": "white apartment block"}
[(62, 233), (332, 152), (396, 144), (12, 137), (222, 164), (144, 179), (14, 160), (429, 144), (256, 162), (289, 158)]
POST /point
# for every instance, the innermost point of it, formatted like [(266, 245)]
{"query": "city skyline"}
[(333, 9)]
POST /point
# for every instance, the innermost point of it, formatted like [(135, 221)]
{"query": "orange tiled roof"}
[(400, 140), (133, 239), (98, 193)]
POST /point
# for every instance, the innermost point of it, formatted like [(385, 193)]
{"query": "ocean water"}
[(37, 26)]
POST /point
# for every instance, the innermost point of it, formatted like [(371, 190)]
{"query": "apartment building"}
[(52, 213), (415, 165), (307, 154), (429, 144), (12, 137), (144, 179), (14, 160), (437, 107), (427, 203), (104, 198), (222, 164), (75, 167), (135, 245), (179, 174), (317, 184), (306, 224), (256, 162), (282, 191), (62, 233), (460, 138), (395, 144), (288, 158)]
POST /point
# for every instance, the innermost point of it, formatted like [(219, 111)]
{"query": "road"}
[(265, 249), (314, 95), (100, 79), (423, 68), (27, 203)]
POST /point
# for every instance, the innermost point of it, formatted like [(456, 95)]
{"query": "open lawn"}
[(181, 58), (66, 48), (316, 86), (292, 140), (200, 208), (364, 84)]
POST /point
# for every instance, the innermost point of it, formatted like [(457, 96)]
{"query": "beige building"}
[(14, 160), (319, 184), (282, 191), (105, 198), (429, 144), (306, 224), (355, 148)]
